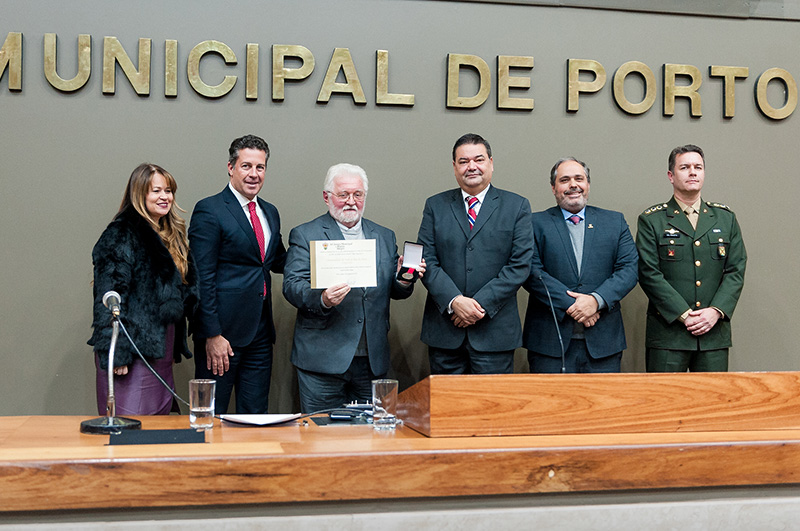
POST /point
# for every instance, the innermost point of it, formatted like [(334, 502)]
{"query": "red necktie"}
[(574, 218), (259, 230), (471, 214)]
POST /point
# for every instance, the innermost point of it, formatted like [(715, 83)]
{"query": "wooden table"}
[(46, 464)]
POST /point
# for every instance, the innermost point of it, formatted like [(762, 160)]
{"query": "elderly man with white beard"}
[(340, 335)]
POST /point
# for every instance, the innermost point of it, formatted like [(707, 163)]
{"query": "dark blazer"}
[(325, 340), (609, 268), (231, 273), (488, 263), (131, 259), (682, 268)]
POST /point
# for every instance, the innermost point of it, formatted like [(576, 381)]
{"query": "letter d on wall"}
[(454, 63)]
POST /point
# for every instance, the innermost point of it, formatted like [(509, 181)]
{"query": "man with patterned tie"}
[(691, 266), (477, 245), (235, 237), (584, 261), (341, 338)]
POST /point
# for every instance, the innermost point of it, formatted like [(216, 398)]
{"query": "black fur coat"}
[(131, 259)]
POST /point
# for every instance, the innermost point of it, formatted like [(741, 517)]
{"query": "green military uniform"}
[(682, 268)]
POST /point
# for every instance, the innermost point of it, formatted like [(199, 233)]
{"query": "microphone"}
[(558, 330), (112, 300)]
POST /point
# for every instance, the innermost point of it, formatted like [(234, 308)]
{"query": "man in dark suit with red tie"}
[(235, 238), (478, 244)]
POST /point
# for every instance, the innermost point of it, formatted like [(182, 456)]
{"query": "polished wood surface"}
[(46, 464), (562, 404)]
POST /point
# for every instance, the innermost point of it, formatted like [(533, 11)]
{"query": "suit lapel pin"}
[(590, 226)]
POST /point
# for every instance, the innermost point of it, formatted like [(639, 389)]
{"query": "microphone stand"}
[(111, 423)]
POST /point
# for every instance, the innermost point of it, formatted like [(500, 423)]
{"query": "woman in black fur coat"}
[(143, 255)]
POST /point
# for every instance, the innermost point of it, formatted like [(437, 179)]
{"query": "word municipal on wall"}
[(678, 80)]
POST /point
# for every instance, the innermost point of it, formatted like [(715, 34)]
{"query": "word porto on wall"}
[(513, 74)]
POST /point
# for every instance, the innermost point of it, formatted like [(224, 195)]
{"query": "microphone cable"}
[(558, 330)]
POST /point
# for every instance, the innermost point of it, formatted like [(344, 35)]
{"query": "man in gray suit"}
[(340, 335), (584, 263), (478, 244)]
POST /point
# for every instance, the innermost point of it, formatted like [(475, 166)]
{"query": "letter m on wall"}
[(11, 59)]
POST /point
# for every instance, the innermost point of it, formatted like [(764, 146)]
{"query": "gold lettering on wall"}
[(279, 71), (113, 54), (790, 94), (505, 82), (170, 68), (51, 62), (457, 61), (672, 91), (729, 74), (251, 78), (574, 84), (11, 58), (193, 69), (649, 79), (382, 95), (341, 61)]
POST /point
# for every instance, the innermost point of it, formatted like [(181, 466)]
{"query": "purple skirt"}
[(139, 392)]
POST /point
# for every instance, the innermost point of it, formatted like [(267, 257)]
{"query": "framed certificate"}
[(351, 262)]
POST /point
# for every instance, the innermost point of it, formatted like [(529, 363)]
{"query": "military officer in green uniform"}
[(691, 266)]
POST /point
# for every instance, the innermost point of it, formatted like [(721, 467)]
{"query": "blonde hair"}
[(171, 227)]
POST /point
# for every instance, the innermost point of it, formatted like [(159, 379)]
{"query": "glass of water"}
[(384, 404), (201, 403)]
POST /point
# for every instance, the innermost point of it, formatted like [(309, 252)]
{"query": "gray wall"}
[(66, 156)]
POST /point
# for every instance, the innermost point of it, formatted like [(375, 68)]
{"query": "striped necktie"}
[(471, 214)]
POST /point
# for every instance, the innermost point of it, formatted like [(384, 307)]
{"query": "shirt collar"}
[(480, 196), (239, 197), (355, 229), (567, 214), (684, 207)]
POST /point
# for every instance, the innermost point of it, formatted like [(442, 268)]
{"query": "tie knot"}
[(472, 201), (251, 206), (574, 219)]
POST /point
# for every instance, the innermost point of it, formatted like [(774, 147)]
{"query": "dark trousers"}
[(467, 360), (249, 373), (576, 360), (662, 360), (320, 391)]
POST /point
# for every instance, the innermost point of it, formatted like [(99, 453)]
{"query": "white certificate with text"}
[(351, 262)]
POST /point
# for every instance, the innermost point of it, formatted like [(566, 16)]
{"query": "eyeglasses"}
[(358, 195)]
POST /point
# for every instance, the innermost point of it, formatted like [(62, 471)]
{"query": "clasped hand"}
[(584, 309), (466, 311)]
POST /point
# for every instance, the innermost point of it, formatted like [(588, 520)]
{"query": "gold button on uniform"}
[(697, 243), (672, 242), (697, 304), (697, 263), (698, 283)]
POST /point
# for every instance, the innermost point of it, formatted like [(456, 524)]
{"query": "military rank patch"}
[(655, 208), (719, 205)]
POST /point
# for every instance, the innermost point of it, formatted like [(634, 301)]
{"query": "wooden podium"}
[(581, 404)]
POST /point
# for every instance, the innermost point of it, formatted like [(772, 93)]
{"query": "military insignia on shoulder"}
[(655, 208), (719, 205)]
